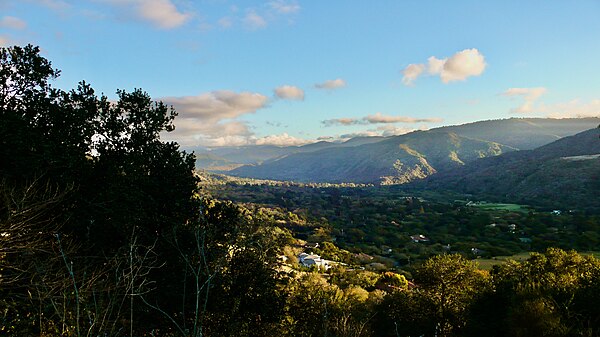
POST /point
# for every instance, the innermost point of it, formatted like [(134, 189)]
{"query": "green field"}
[(502, 207), (487, 264)]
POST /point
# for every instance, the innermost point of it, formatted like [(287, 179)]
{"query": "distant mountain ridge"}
[(417, 155), (517, 133), (394, 160), (256, 154), (523, 133)]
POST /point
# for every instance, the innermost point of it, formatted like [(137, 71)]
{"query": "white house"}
[(309, 260)]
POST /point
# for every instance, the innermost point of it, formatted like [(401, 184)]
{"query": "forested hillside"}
[(517, 133), (562, 174)]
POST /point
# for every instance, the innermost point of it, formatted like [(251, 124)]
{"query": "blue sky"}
[(289, 72)]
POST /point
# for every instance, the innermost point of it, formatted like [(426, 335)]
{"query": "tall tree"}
[(121, 190), (451, 282)]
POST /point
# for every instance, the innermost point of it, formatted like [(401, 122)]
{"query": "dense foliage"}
[(381, 220)]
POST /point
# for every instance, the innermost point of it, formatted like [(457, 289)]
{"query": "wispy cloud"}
[(392, 130), (529, 95), (341, 121), (331, 84), (254, 21), (289, 92), (378, 118), (161, 13), (284, 7), (458, 67), (56, 5), (225, 22), (12, 22), (573, 108), (411, 73), (381, 131)]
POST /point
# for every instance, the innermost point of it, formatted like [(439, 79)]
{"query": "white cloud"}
[(435, 66), (254, 21), (379, 118), (381, 131), (195, 131), (368, 133), (458, 67), (391, 130), (530, 96), (331, 84), (281, 140), (411, 72), (227, 141), (162, 13), (210, 118), (12, 23), (466, 63), (217, 105), (191, 132), (284, 7), (289, 92), (573, 108)]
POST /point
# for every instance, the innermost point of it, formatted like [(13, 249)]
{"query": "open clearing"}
[(501, 207), (487, 264)]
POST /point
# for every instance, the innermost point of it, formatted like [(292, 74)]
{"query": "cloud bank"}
[(458, 67), (210, 118)]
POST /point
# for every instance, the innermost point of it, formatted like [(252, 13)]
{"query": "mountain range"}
[(395, 160), (405, 158)]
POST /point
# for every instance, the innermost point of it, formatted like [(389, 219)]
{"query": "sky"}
[(285, 72)]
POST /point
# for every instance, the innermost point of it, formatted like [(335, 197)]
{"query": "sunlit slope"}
[(398, 159)]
